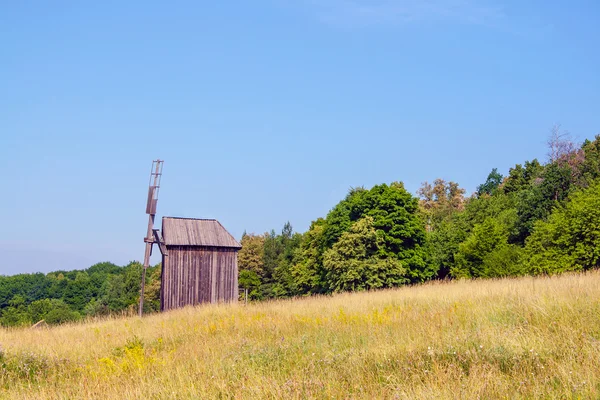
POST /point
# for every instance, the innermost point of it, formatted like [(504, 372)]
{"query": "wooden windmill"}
[(202, 266), (152, 235)]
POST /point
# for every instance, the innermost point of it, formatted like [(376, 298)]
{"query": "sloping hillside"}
[(512, 338)]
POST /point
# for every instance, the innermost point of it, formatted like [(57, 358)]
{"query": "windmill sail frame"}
[(152, 236)]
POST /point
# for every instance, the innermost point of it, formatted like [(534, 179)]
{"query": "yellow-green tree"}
[(250, 256), (357, 261)]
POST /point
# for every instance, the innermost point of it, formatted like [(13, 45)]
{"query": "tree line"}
[(541, 218), (65, 296)]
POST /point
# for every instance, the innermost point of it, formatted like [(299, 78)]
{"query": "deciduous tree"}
[(358, 260)]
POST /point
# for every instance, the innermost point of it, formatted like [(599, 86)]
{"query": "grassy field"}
[(513, 338)]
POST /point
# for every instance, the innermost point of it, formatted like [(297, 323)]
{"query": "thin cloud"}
[(369, 12)]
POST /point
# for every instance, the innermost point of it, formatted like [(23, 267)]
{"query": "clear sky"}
[(268, 110)]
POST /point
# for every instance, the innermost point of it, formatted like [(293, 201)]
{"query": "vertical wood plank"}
[(193, 275)]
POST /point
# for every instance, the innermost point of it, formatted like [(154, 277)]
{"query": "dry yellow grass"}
[(512, 338)]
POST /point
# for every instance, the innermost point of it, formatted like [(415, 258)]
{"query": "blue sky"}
[(267, 111)]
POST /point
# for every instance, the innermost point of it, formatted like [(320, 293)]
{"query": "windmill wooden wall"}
[(201, 266)]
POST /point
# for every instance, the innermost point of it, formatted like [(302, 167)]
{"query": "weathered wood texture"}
[(201, 266), (194, 275), (196, 232)]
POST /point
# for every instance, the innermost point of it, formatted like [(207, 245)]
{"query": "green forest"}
[(65, 296), (539, 218)]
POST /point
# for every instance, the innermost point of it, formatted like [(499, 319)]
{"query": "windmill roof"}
[(196, 232)]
